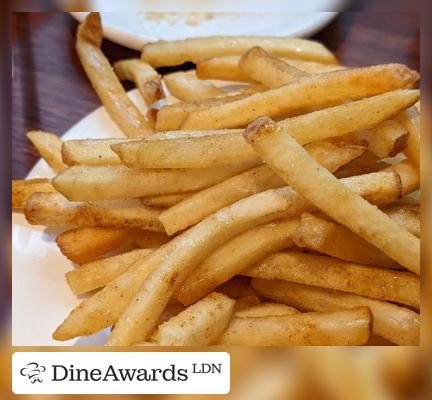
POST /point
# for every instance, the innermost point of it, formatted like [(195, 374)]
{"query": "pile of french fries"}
[(284, 212)]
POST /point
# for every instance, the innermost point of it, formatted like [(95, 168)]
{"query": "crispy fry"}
[(198, 152), (97, 274), (200, 324), (166, 200), (265, 310), (187, 87), (202, 204), (385, 140), (23, 189), (397, 324), (342, 328), (146, 79), (81, 183), (308, 93), (51, 209), (226, 68), (235, 256), (103, 79), (91, 152), (49, 147), (176, 52), (269, 70), (327, 272), (82, 245), (171, 116), (338, 241), (318, 185), (410, 119), (188, 249)]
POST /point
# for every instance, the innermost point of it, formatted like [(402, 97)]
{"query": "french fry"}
[(49, 147), (226, 68), (158, 280), (269, 70), (410, 119), (408, 217), (198, 152), (166, 200), (149, 239), (308, 93), (200, 205), (23, 189), (105, 82), (51, 209), (176, 52), (146, 79), (82, 245), (397, 324), (336, 240), (235, 256), (97, 274), (185, 86), (317, 184), (171, 116), (200, 324), (340, 328), (81, 183), (385, 140), (327, 272), (90, 152), (265, 310)]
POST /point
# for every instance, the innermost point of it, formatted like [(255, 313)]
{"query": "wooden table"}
[(51, 91)]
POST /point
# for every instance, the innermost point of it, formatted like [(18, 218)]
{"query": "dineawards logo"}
[(121, 373), (33, 371)]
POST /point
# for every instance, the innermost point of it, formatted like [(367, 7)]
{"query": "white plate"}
[(133, 30), (41, 298)]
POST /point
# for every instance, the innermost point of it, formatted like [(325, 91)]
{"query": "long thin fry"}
[(266, 310), (176, 52), (49, 147), (308, 93), (226, 68), (106, 84), (51, 209), (81, 183), (343, 328), (166, 200), (289, 160), (397, 324), (327, 272), (143, 75), (82, 245)]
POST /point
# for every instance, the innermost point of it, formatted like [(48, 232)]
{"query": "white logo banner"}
[(121, 373)]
